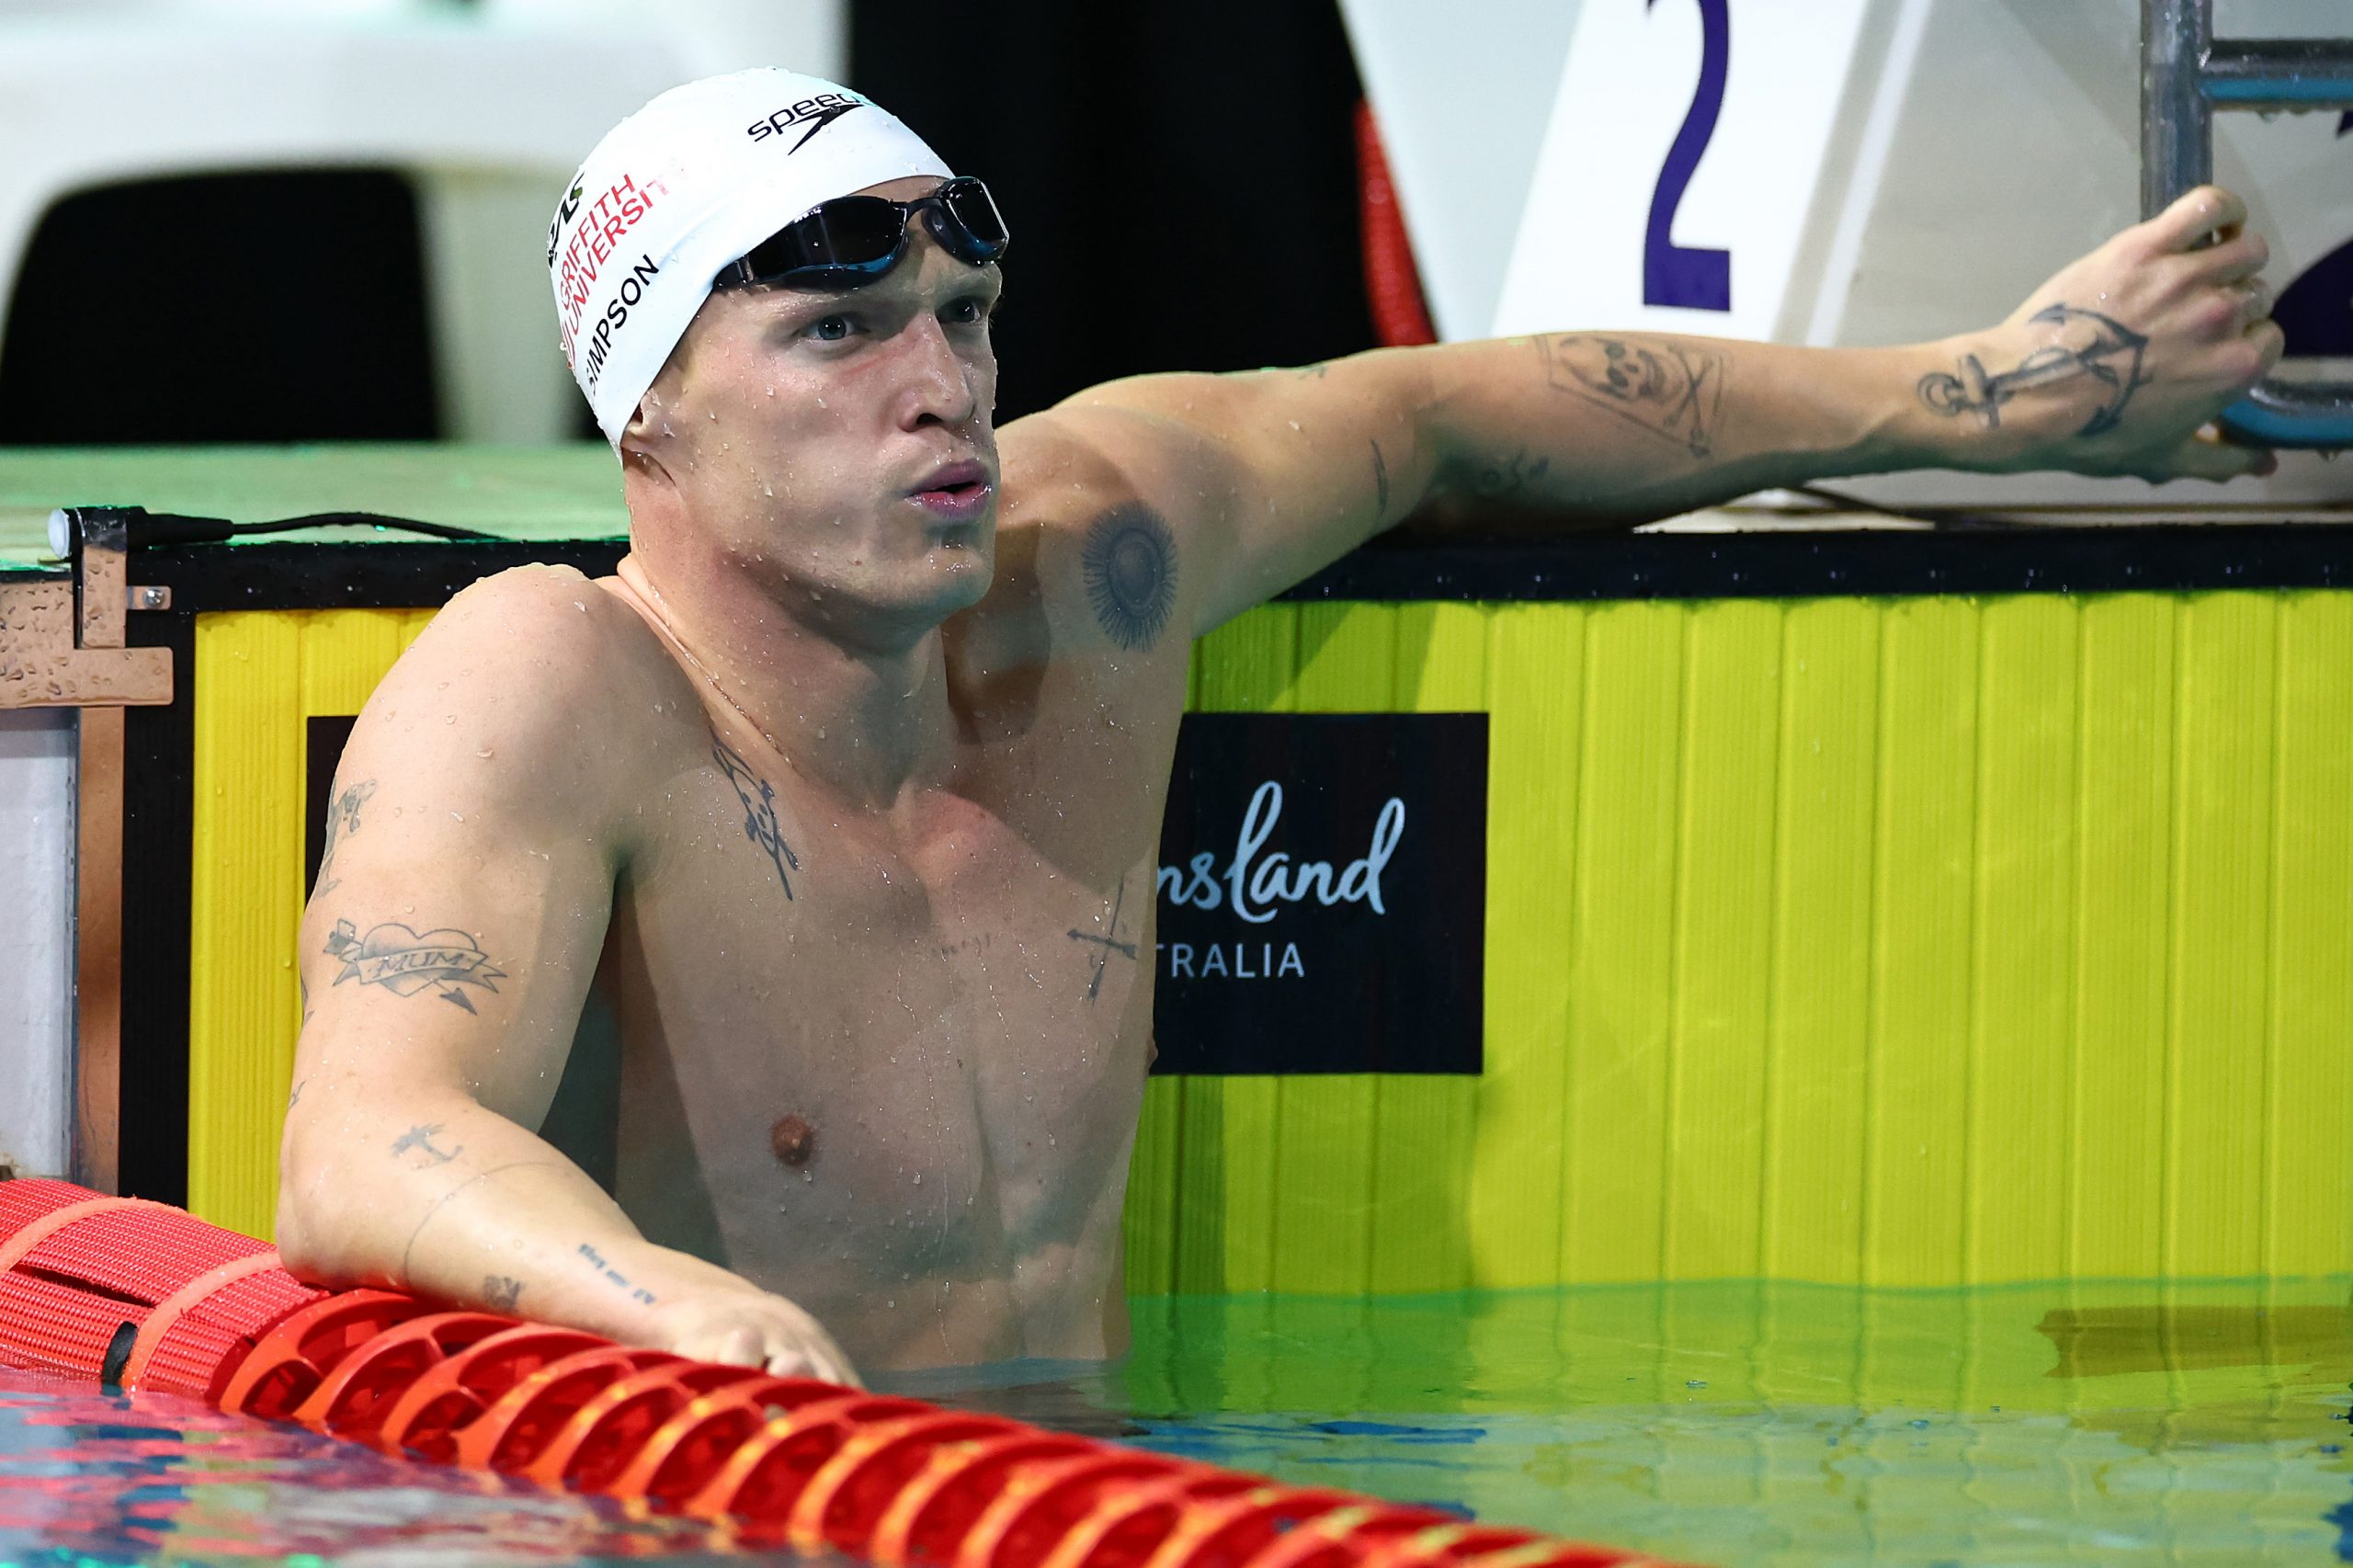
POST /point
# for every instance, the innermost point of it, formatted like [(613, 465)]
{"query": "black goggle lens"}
[(859, 238)]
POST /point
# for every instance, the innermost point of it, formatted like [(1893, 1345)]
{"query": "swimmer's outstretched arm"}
[(2111, 366), (461, 907)]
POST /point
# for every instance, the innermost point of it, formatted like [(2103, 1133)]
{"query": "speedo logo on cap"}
[(816, 113)]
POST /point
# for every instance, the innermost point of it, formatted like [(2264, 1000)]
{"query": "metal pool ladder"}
[(2186, 74)]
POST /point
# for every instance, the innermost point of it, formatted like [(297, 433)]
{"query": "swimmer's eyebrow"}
[(796, 297)]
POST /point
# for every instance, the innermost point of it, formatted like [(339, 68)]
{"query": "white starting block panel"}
[(1811, 171)]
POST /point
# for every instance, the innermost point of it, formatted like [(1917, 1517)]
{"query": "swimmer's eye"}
[(830, 329), (971, 311)]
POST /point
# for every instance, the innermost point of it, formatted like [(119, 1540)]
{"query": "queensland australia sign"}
[(1322, 894)]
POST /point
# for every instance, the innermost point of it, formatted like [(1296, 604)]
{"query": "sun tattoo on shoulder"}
[(1130, 561)]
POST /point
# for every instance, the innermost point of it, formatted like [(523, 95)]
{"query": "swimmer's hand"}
[(2117, 364), (749, 1327)]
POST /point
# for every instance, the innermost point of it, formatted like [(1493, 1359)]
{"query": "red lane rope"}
[(897, 1480)]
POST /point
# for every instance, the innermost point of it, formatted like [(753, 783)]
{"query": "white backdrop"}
[(36, 945)]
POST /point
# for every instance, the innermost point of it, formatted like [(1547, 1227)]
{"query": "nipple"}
[(793, 1140)]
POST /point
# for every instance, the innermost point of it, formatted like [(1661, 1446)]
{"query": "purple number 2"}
[(1700, 279)]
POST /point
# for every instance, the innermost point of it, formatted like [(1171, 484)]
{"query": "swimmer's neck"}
[(868, 722)]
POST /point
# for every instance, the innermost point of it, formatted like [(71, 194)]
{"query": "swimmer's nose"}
[(941, 383)]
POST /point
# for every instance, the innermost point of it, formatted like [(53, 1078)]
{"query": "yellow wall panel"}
[(1535, 705), (2020, 1050), (1923, 850), (1721, 988), (1150, 1235), (2124, 912), (2222, 910), (1817, 1043), (1621, 942), (246, 900), (2308, 1195), (346, 653)]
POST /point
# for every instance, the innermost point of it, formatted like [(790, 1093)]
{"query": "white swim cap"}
[(684, 186)]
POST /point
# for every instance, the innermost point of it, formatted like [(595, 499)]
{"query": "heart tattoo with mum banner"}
[(1323, 890)]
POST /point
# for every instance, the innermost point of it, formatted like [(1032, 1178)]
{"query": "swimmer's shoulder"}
[(541, 667), (550, 630)]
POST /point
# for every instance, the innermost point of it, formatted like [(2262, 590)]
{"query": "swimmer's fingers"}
[(2234, 260), (805, 1350), (764, 1331), (2207, 455), (825, 1362), (742, 1345), (2195, 216), (2251, 304)]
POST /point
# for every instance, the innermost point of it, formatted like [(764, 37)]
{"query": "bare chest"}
[(913, 1046)]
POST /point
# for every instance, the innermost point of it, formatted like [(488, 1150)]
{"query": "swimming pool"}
[(1716, 1423)]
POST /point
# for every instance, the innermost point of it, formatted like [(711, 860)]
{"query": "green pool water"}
[(1714, 1424), (1741, 1423)]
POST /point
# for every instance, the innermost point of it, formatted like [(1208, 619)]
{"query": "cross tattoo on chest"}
[(1105, 945), (421, 1138)]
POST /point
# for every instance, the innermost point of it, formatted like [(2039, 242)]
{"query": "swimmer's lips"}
[(957, 494)]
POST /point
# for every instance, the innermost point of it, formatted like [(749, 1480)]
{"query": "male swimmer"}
[(830, 789)]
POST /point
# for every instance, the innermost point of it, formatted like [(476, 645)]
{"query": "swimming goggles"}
[(855, 239)]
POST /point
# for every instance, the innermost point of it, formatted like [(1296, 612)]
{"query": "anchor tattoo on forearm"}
[(2095, 346)]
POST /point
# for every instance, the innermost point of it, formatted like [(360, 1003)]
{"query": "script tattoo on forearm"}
[(1106, 943), (1129, 564), (405, 961), (613, 1276), (1673, 391), (2091, 346), (1379, 484), (343, 820), (758, 797)]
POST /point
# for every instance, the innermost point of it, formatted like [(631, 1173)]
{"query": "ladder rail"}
[(2185, 76)]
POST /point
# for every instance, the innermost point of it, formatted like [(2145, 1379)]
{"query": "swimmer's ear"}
[(637, 436), (642, 436), (644, 431)]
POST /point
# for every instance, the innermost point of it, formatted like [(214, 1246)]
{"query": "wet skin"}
[(842, 797)]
